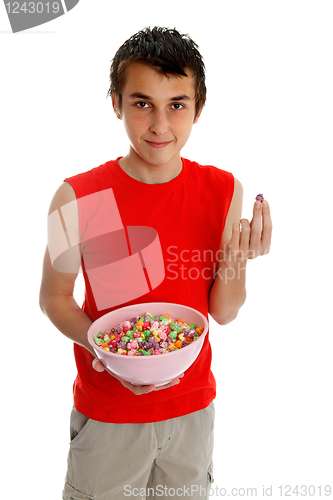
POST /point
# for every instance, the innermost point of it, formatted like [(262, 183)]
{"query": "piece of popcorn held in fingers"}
[(260, 197)]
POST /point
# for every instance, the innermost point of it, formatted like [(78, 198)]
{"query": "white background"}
[(268, 119)]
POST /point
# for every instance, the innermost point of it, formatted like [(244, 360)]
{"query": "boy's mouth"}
[(155, 144)]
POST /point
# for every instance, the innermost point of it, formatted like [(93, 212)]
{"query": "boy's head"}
[(167, 51)]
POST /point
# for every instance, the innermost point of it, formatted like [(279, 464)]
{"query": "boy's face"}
[(158, 113)]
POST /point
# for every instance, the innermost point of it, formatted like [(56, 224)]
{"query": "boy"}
[(129, 440)]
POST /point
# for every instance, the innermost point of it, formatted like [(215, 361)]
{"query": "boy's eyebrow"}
[(138, 95), (181, 98)]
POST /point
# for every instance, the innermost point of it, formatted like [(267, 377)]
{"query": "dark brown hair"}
[(167, 51)]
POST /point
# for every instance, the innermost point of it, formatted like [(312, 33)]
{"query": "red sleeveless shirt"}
[(164, 242)]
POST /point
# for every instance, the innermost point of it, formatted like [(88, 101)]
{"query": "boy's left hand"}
[(249, 239)]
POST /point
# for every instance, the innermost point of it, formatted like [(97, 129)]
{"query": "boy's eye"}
[(177, 105), (142, 104)]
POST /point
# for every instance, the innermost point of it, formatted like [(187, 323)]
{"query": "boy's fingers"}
[(255, 230), (245, 237), (175, 381), (140, 389), (234, 242), (267, 228), (98, 365)]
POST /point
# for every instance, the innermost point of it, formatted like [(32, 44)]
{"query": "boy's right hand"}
[(136, 389)]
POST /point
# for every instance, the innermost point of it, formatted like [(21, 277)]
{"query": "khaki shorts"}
[(157, 460)]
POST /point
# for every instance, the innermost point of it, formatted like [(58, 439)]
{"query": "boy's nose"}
[(159, 124)]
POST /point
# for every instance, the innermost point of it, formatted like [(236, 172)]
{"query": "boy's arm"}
[(56, 292), (241, 240)]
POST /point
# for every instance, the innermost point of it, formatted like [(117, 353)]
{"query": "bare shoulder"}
[(64, 194)]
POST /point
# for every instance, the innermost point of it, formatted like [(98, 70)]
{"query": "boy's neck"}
[(138, 169)]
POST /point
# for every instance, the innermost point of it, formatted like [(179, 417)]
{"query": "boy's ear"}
[(198, 115), (115, 107)]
